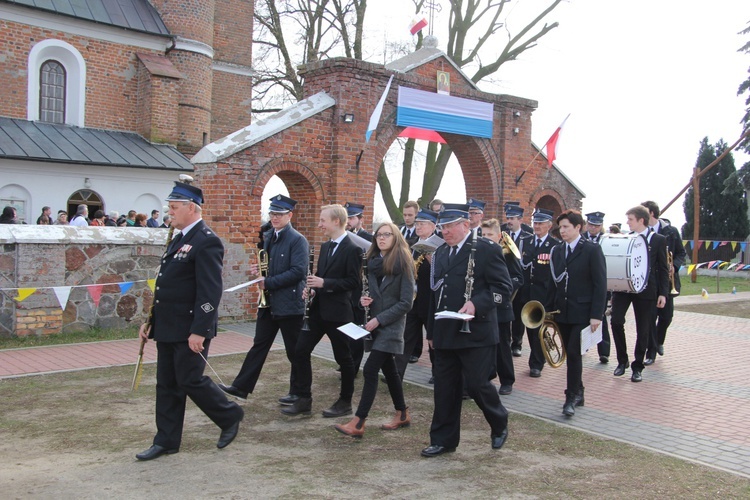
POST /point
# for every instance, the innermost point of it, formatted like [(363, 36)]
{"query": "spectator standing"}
[(80, 219), (131, 218), (62, 218), (167, 221), (98, 219), (8, 216), (140, 220), (154, 220), (46, 218)]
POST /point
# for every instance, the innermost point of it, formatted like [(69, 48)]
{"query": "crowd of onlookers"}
[(83, 218)]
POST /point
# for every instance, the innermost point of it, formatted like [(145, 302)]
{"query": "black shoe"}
[(233, 391), (505, 390), (499, 441), (648, 361), (339, 409), (579, 401), (435, 449), (465, 396), (620, 370), (569, 408), (303, 406), (431, 381), (227, 435), (660, 350), (288, 400), (604, 359), (413, 359), (516, 352), (155, 452), (535, 372), (637, 377)]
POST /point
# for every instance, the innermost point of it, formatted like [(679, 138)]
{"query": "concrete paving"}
[(692, 404)]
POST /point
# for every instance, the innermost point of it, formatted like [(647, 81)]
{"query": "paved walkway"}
[(693, 402)]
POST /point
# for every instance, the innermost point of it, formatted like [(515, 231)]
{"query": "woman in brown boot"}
[(390, 279)]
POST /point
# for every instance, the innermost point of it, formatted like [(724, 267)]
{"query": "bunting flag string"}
[(714, 244)]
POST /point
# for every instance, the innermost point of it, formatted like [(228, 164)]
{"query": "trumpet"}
[(670, 263), (469, 281), (308, 297), (533, 315), (263, 268)]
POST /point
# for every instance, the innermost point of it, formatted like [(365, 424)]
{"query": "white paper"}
[(244, 285), (429, 245), (589, 338), (353, 331), (453, 315)]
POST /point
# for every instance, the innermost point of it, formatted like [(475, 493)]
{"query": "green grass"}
[(709, 283), (92, 335)]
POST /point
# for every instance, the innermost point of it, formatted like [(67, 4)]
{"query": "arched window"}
[(52, 92), (84, 197)]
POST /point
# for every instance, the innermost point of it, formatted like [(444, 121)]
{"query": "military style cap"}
[(542, 215), (513, 209), (476, 204), (453, 212), (186, 192), (281, 204), (425, 214), (595, 218), (354, 209)]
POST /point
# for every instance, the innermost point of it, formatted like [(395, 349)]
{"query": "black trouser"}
[(305, 345), (454, 369), (376, 361), (517, 327), (644, 310), (266, 329), (357, 346), (412, 333), (179, 375), (571, 335), (505, 370), (536, 357), (659, 331), (604, 347)]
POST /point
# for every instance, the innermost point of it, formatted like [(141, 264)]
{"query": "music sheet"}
[(589, 338), (453, 315), (353, 331), (243, 285)]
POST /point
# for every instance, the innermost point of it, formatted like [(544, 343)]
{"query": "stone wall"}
[(44, 257)]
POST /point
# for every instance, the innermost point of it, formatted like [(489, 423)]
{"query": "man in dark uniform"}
[(645, 303), (354, 212), (665, 314), (514, 227), (185, 315), (288, 253), (337, 275), (408, 229), (536, 284), (465, 359), (505, 370), (594, 222), (578, 289), (416, 319), (476, 214)]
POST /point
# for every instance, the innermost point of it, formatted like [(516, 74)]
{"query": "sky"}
[(644, 82)]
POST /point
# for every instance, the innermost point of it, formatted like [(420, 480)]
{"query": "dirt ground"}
[(738, 309), (74, 435)]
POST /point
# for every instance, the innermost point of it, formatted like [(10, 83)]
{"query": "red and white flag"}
[(551, 143), (417, 25)]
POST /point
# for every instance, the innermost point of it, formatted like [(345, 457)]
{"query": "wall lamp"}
[(86, 182), (348, 118), (516, 114), (516, 131)]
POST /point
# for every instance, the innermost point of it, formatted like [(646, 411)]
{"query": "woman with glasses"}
[(390, 275)]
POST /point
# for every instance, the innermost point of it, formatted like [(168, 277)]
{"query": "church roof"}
[(138, 15), (423, 56), (27, 140)]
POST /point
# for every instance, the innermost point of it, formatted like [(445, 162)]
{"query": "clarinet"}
[(308, 299), (366, 293), (469, 281)]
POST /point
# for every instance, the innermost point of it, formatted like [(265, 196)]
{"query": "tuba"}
[(263, 268), (533, 315)]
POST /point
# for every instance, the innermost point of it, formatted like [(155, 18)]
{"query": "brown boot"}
[(354, 428), (400, 419)]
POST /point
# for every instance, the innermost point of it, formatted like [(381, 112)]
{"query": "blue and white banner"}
[(444, 113)]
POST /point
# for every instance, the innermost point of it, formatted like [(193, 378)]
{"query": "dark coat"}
[(364, 234), (341, 275), (582, 296), (536, 273), (674, 245), (505, 309), (287, 270), (422, 299), (411, 239), (189, 287), (391, 300), (658, 270), (492, 286)]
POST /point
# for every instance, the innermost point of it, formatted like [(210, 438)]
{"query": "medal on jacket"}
[(183, 251), (543, 259)]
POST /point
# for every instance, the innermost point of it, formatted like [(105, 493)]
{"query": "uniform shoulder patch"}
[(498, 298), (207, 308)]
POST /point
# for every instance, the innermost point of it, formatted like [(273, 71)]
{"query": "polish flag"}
[(417, 25), (551, 143)]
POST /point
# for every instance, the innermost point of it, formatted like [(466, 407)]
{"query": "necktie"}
[(331, 248), (538, 243), (175, 242), (275, 237), (454, 251), (568, 253)]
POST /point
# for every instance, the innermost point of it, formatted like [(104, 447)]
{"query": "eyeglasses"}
[(275, 215), (384, 235)]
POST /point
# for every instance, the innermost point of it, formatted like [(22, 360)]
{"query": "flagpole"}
[(555, 133)]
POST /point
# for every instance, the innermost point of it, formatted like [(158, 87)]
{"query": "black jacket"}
[(582, 295), (341, 274), (288, 261), (536, 272)]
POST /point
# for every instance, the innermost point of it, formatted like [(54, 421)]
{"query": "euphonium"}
[(263, 268), (509, 246), (533, 315), (670, 263), (308, 297), (469, 281)]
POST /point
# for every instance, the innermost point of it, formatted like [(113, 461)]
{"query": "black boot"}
[(569, 408), (579, 397), (302, 406)]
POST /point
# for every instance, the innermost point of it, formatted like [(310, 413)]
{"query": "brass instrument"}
[(508, 245), (670, 263), (469, 281), (263, 268), (308, 297), (533, 315)]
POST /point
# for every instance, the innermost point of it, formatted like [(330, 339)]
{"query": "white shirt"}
[(79, 220), (185, 230), (338, 242)]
